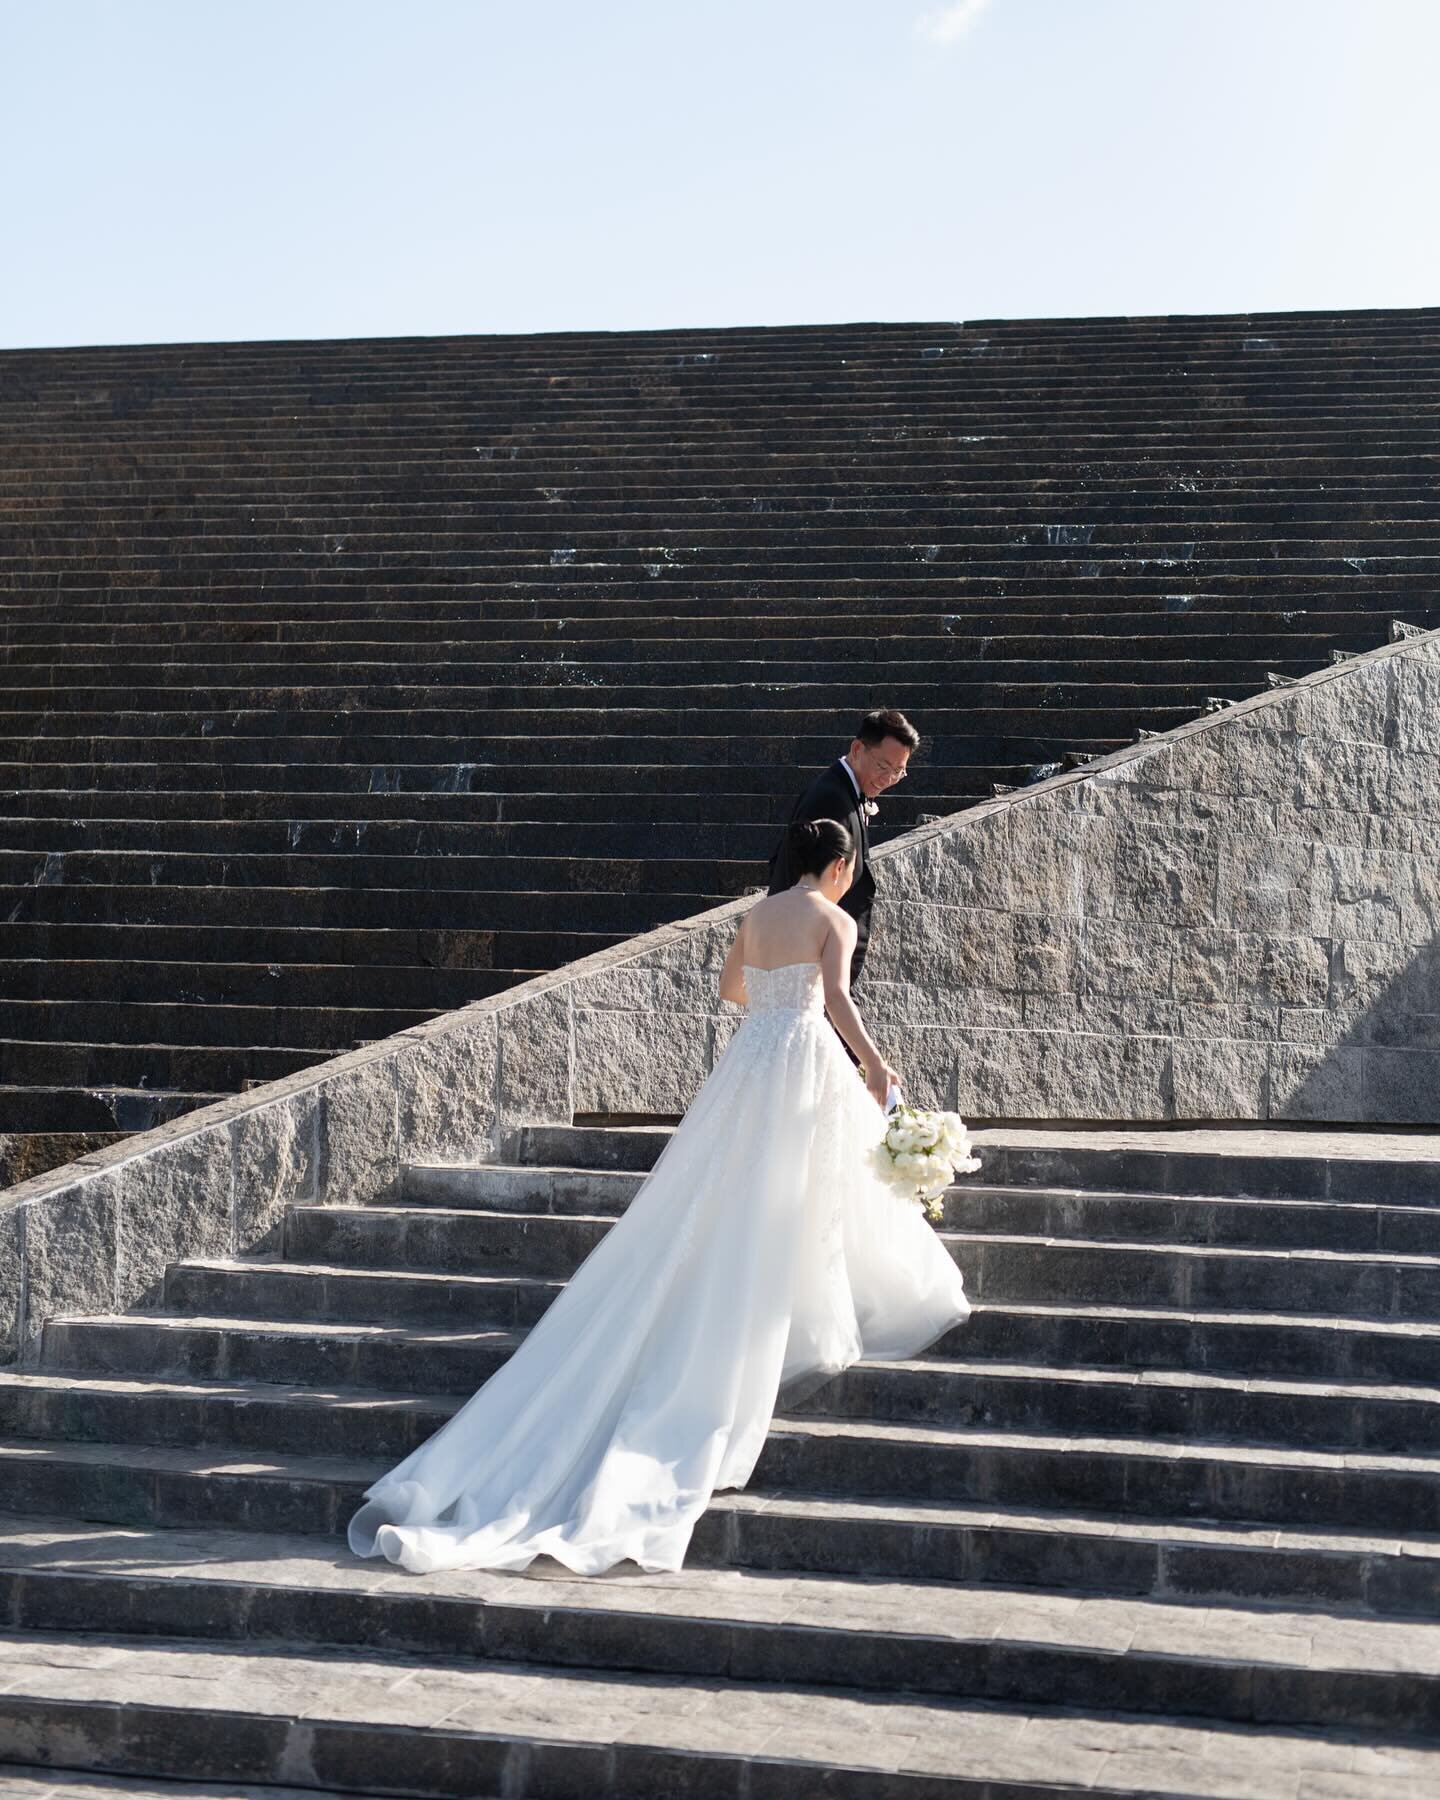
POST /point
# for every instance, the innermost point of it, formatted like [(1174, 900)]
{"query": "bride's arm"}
[(835, 956), (732, 976)]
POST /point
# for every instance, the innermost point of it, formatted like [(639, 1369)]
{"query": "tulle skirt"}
[(759, 1257)]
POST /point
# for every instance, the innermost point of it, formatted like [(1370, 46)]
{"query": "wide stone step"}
[(1000, 1266), (977, 1205), (299, 841), (1211, 1407), (1016, 627), (202, 1022), (295, 1489), (116, 1109), (364, 1725), (929, 1639), (434, 949), (1261, 1163), (183, 1068), (353, 908), (1337, 1346), (329, 988)]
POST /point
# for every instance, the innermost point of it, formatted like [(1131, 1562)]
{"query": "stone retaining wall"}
[(1235, 921)]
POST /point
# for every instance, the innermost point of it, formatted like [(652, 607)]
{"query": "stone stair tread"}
[(1424, 1548), (19, 1782), (1408, 1328), (861, 1432), (952, 1613), (1282, 1255), (796, 1741), (1076, 1374)]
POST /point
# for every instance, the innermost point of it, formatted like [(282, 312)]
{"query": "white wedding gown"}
[(760, 1251)]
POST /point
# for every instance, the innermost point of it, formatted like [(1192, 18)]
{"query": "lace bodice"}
[(794, 987)]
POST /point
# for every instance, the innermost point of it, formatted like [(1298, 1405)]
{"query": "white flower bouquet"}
[(921, 1153)]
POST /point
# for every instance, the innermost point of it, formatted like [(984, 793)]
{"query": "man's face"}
[(878, 767)]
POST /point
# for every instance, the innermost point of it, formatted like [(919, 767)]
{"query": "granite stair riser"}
[(351, 908), (998, 1269), (129, 1489), (476, 754), (355, 950), (1089, 1403), (24, 1062), (1068, 1169), (971, 1204), (1120, 1562), (740, 1650), (451, 709), (417, 634), (360, 1757), (334, 819), (779, 722), (297, 985), (1197, 529), (30, 1110), (201, 1023), (296, 840)]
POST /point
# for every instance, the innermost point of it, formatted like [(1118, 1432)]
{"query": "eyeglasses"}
[(888, 770)]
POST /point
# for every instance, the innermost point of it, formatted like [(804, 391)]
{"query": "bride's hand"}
[(879, 1080)]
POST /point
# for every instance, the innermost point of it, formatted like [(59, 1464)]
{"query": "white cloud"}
[(948, 24)]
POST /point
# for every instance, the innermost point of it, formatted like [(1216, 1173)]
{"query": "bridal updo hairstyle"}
[(815, 843)]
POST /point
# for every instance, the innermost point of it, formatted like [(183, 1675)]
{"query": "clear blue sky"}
[(205, 169)]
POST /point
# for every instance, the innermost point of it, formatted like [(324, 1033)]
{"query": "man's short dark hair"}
[(884, 723)]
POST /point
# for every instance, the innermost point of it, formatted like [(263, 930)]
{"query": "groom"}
[(848, 791)]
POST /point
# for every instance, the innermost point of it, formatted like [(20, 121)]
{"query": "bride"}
[(759, 1253)]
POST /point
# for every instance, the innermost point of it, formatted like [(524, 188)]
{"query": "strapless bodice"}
[(794, 987)]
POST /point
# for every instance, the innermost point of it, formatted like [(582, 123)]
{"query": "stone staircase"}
[(344, 683), (1162, 1518)]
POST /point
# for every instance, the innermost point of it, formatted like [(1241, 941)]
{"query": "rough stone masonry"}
[(1233, 921)]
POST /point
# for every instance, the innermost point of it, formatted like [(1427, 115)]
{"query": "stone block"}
[(1125, 957), (1203, 964), (535, 1061), (1043, 1075), (1285, 970), (1111, 1015), (444, 1085), (639, 1062), (1401, 1086), (1417, 703), (1308, 1082), (1349, 777), (70, 1252), (1046, 953), (1415, 784), (1246, 1021), (171, 1205), (1056, 861), (1364, 893), (1166, 874), (958, 866), (919, 1003), (359, 1136), (1200, 762), (1357, 704), (1268, 885), (275, 1157), (12, 1237), (1218, 1078), (1262, 758), (950, 946)]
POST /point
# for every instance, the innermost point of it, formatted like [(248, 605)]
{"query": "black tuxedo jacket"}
[(831, 795)]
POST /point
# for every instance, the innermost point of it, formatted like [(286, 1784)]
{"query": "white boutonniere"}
[(870, 808)]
